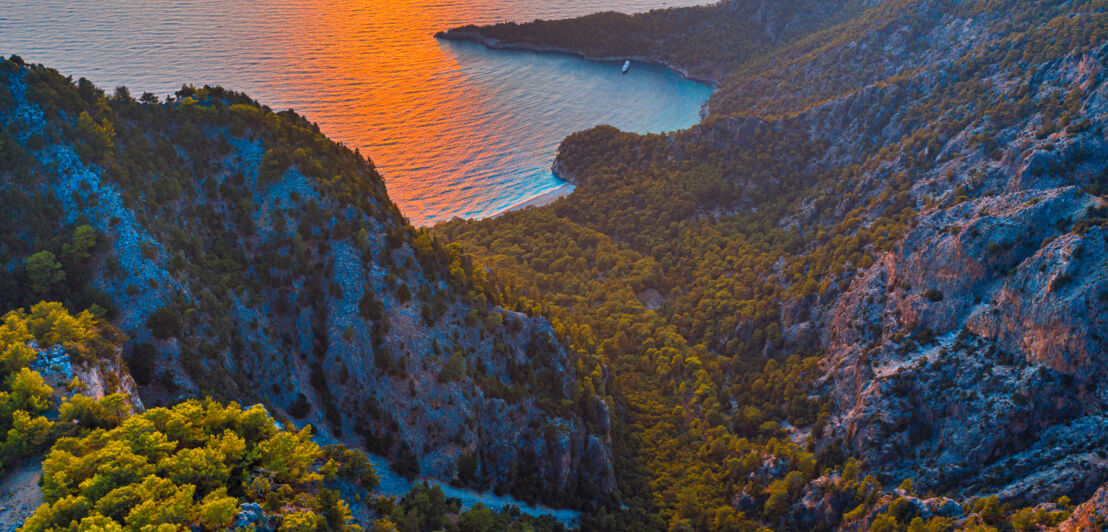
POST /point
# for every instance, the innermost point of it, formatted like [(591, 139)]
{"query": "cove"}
[(536, 99)]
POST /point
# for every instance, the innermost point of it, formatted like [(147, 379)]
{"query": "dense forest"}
[(705, 270)]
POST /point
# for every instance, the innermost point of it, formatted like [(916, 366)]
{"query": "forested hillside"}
[(199, 464), (707, 42), (246, 257), (867, 292)]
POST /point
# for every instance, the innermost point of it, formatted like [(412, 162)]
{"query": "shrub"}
[(140, 362), (301, 407), (164, 323), (274, 164), (43, 273), (406, 463)]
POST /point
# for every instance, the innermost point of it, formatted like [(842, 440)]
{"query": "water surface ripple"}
[(456, 130)]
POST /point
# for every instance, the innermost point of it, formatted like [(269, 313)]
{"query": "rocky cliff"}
[(966, 356)]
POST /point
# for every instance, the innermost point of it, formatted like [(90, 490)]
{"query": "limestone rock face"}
[(1090, 516), (251, 516), (972, 354), (20, 494), (97, 379)]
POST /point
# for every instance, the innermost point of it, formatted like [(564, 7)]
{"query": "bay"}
[(454, 128)]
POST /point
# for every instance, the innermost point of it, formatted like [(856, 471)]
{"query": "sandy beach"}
[(546, 198)]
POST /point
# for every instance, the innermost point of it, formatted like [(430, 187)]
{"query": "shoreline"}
[(567, 186), (496, 44), (538, 200)]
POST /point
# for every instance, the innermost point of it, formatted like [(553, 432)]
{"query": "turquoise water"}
[(545, 97), (455, 129)]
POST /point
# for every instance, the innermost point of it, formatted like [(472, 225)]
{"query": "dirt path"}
[(19, 495), (395, 485)]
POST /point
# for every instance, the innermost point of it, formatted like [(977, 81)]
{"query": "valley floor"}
[(395, 485)]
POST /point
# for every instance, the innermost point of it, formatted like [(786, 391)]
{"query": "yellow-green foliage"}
[(24, 394), (189, 465)]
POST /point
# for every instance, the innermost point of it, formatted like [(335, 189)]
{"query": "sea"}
[(456, 129)]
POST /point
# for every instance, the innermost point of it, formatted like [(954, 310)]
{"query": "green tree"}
[(77, 253), (43, 273), (289, 455), (884, 523), (454, 368), (306, 521), (217, 509), (99, 137), (14, 338), (27, 391), (335, 511), (26, 436), (164, 323), (477, 519)]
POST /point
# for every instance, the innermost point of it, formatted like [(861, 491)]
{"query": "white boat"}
[(626, 66)]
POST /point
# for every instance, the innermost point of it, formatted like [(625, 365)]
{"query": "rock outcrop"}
[(1089, 516), (93, 379)]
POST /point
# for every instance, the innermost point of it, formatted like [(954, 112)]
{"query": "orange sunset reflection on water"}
[(455, 129)]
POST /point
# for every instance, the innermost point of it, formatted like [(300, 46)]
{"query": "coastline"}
[(539, 200), (492, 43), (568, 185)]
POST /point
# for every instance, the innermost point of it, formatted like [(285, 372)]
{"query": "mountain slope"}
[(884, 246), (250, 258)]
